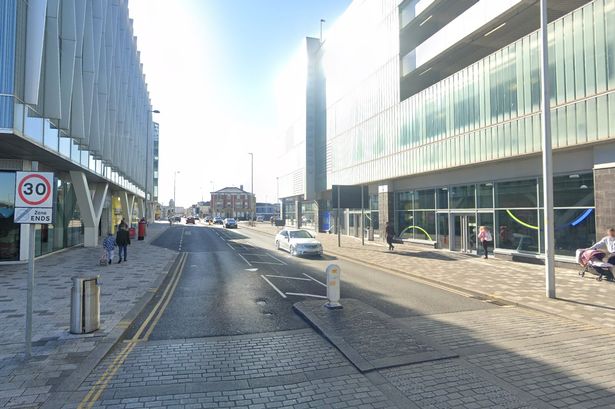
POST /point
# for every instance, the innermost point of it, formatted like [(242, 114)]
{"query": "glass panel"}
[(518, 193), (33, 128), (51, 135), (574, 229), (442, 198), (442, 239), (404, 221), (462, 197), (485, 195), (517, 229), (9, 231), (425, 225), (486, 219), (425, 199), (403, 200), (573, 190)]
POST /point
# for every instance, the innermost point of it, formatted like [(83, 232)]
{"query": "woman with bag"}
[(484, 235)]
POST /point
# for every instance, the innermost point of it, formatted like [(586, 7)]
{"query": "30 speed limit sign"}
[(34, 197)]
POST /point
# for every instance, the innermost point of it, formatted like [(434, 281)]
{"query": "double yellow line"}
[(142, 334)]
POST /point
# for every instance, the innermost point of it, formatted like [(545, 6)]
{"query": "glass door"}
[(463, 232)]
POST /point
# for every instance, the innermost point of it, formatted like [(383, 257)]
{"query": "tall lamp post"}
[(251, 187), (147, 147), (547, 155), (174, 190)]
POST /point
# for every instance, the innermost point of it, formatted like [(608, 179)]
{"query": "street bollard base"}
[(334, 306)]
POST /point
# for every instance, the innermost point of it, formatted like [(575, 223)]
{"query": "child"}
[(109, 245), (484, 235)]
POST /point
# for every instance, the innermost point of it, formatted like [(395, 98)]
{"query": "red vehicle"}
[(190, 220)]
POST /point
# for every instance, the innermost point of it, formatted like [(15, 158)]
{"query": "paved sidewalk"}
[(583, 299), (57, 354)]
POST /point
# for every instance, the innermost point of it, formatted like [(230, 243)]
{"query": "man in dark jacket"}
[(390, 234), (122, 240)]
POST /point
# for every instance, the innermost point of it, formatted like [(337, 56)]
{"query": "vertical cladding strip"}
[(35, 37), (8, 32)]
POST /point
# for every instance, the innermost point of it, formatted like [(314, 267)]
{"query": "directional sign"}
[(34, 197)]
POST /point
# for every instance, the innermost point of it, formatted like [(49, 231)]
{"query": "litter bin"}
[(133, 232), (85, 305), (142, 229)]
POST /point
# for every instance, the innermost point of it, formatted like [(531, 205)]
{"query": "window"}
[(518, 193)]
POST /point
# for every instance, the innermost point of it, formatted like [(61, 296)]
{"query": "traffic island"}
[(369, 338)]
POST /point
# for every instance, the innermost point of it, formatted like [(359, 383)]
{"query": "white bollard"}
[(333, 286)]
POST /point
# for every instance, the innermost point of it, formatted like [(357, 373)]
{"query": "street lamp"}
[(174, 186), (251, 186), (547, 155), (147, 164)]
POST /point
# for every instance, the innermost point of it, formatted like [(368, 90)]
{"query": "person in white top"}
[(484, 235), (608, 244)]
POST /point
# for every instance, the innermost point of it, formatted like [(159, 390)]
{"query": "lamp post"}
[(147, 164), (547, 155), (251, 186), (174, 190)]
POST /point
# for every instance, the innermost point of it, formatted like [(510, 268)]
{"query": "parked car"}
[(298, 242), (177, 219), (230, 223), (218, 220), (190, 220), (260, 219), (208, 219), (197, 218)]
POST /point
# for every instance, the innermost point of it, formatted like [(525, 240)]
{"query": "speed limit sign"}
[(34, 197)]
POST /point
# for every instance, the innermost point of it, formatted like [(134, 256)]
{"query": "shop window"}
[(518, 193), (517, 229), (442, 194), (484, 195), (575, 190), (462, 197), (9, 231), (425, 199), (404, 200)]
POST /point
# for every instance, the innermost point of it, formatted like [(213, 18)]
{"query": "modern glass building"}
[(73, 100), (435, 106)]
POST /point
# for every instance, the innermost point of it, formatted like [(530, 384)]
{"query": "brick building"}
[(232, 202)]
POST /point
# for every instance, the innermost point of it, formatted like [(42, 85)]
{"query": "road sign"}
[(34, 198)]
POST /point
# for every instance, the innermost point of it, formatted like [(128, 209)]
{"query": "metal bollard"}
[(85, 305), (333, 286)]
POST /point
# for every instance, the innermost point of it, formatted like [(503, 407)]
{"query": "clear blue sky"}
[(211, 66)]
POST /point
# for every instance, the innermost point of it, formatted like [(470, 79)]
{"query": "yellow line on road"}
[(101, 384)]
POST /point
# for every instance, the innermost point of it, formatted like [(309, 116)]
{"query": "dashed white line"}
[(308, 295), (290, 278), (315, 280), (274, 287), (244, 259)]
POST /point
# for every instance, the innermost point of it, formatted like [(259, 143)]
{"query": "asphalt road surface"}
[(235, 282)]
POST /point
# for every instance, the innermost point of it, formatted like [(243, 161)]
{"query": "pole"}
[(251, 187), (547, 156), (30, 294), (362, 219), (149, 115), (337, 220), (321, 23)]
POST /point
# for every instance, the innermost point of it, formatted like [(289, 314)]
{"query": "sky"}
[(211, 68)]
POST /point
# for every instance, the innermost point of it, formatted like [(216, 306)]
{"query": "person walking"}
[(390, 234), (485, 237), (109, 246), (122, 240)]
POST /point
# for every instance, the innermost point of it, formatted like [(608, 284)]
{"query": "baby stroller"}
[(591, 261)]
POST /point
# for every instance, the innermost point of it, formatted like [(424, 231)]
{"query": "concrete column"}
[(604, 192), (127, 201), (90, 205), (385, 207), (298, 213)]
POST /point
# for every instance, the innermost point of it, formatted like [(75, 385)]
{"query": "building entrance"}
[(463, 231)]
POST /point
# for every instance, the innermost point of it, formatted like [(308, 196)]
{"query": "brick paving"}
[(56, 352), (583, 299)]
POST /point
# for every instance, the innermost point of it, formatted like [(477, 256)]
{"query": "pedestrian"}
[(109, 245), (390, 234), (123, 241), (485, 237), (607, 243), (122, 223)]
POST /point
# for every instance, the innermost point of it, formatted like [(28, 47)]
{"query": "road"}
[(235, 282)]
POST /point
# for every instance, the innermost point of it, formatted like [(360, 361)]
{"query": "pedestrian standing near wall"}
[(123, 241)]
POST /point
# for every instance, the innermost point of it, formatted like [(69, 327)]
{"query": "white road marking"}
[(244, 259), (274, 287), (277, 259), (290, 278), (231, 246), (308, 295), (268, 262), (315, 280), (252, 269)]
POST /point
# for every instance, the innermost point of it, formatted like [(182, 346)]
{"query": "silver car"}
[(298, 242)]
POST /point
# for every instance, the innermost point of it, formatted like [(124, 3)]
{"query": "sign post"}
[(34, 200), (333, 287)]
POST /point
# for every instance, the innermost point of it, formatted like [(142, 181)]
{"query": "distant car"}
[(230, 223), (177, 218), (197, 218), (218, 220), (298, 242), (208, 219), (190, 220), (260, 219)]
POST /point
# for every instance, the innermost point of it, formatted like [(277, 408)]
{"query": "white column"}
[(90, 206), (127, 201)]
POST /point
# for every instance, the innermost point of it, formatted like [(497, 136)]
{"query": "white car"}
[(298, 242)]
